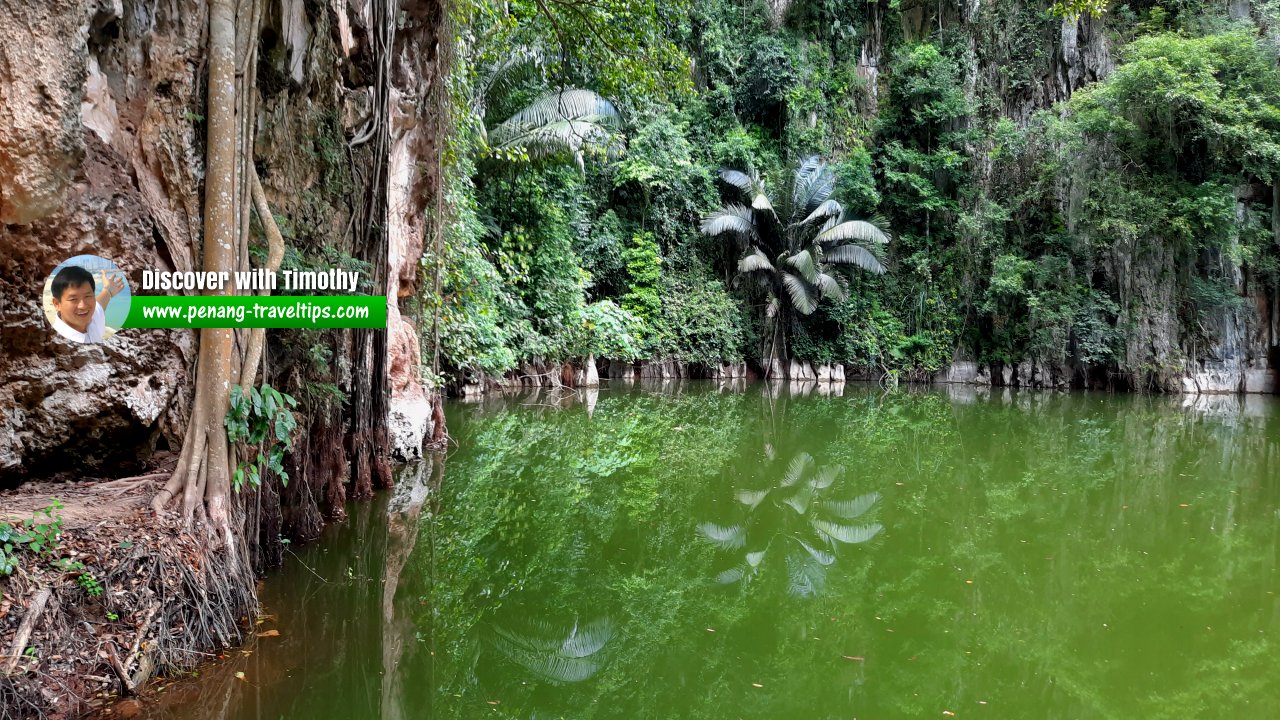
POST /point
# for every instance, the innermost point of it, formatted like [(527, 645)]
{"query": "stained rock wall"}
[(68, 187), (101, 151)]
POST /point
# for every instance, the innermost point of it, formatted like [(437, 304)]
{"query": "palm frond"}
[(801, 295), (849, 509), (570, 104), (571, 137), (799, 464), (856, 230), (754, 262), (850, 534), (732, 575), (751, 498), (726, 538), (829, 287), (804, 264), (589, 639), (572, 122), (751, 185), (807, 578), (519, 68), (731, 218), (880, 220), (825, 477), (566, 659), (799, 500), (854, 255), (822, 556), (739, 179), (813, 185), (827, 209)]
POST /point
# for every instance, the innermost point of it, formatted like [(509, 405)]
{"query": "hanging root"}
[(275, 255)]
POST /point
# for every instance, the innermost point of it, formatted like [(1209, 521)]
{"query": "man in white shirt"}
[(81, 315)]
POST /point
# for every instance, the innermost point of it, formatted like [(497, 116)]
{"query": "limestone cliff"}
[(101, 151)]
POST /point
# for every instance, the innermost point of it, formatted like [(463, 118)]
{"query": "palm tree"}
[(801, 519), (795, 247), (568, 122)]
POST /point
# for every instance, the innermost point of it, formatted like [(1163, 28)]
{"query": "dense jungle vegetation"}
[(1088, 187)]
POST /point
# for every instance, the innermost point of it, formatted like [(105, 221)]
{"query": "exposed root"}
[(168, 602), (34, 611)]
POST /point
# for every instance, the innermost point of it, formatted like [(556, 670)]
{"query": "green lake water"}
[(701, 553)]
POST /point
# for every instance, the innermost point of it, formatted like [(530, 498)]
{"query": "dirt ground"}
[(121, 596)]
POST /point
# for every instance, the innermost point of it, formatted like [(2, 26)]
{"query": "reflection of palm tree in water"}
[(555, 653), (801, 519)]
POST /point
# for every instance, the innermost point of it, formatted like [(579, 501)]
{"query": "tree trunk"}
[(203, 475)]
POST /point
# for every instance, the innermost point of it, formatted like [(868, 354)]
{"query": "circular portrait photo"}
[(86, 298)]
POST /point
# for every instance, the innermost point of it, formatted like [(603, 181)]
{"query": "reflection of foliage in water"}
[(554, 654), (802, 513), (1063, 510)]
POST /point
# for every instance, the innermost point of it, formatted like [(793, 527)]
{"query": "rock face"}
[(101, 151), (66, 191), (42, 79), (413, 143)]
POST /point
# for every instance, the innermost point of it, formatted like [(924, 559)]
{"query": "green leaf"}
[(283, 426)]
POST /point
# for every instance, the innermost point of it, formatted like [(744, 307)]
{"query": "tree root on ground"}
[(168, 601)]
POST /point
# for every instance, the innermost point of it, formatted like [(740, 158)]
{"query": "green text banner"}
[(280, 311)]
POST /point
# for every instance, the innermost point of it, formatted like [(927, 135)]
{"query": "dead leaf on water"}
[(269, 633), (756, 685)]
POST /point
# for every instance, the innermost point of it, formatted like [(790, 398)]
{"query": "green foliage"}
[(84, 578), (1219, 92), (768, 74), (474, 301), (1076, 8), (41, 535), (612, 332), (1021, 232), (662, 180), (701, 322), (644, 271), (795, 243), (260, 420), (38, 534)]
